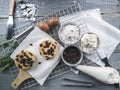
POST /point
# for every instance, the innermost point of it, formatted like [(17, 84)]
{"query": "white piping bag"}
[(106, 75)]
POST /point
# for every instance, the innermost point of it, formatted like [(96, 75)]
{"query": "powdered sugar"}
[(69, 33)]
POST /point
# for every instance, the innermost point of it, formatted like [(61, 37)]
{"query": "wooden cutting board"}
[(22, 76)]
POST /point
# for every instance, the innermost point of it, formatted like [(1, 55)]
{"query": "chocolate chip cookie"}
[(24, 60), (48, 49)]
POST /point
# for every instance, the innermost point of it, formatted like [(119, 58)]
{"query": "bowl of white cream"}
[(89, 42)]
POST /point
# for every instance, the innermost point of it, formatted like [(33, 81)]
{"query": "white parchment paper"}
[(40, 72)]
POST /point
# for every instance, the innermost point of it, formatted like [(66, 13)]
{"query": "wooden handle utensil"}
[(22, 76), (11, 8)]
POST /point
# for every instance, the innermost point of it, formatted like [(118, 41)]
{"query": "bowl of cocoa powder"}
[(72, 55)]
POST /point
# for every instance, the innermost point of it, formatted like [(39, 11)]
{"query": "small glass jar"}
[(89, 42), (69, 33), (72, 55)]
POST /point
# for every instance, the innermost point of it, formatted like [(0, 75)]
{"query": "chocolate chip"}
[(22, 51), (45, 47), (14, 84), (30, 53), (47, 44), (21, 56), (55, 42), (17, 56), (17, 59), (30, 64), (41, 45), (29, 59), (39, 62), (32, 61), (52, 54), (44, 53), (54, 46), (31, 44), (26, 55), (47, 57), (22, 61), (49, 51), (19, 66)]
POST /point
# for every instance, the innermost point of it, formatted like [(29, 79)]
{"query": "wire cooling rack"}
[(61, 68)]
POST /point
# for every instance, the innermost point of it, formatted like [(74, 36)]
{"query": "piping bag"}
[(106, 75)]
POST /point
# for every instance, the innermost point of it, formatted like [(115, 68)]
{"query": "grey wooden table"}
[(111, 13)]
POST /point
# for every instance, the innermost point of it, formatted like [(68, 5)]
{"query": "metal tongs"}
[(77, 83)]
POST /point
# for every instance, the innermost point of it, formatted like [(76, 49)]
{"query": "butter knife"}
[(10, 20)]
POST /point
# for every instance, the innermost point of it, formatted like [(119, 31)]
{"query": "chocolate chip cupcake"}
[(24, 60), (48, 49)]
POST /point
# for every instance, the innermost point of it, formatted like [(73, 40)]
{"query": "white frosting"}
[(70, 34), (89, 42)]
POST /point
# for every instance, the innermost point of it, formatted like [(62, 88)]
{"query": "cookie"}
[(24, 60), (48, 49)]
